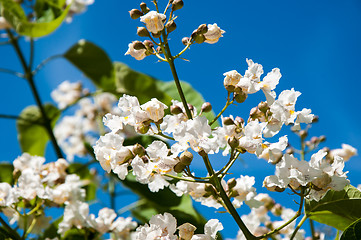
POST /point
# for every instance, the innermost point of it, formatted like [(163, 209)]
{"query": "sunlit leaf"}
[(337, 208), (32, 135), (352, 232), (6, 173)]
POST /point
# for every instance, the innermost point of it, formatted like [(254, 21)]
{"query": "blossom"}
[(244, 191), (154, 109), (67, 93), (154, 21), (210, 230), (272, 151), (138, 54), (69, 191), (231, 79), (104, 220), (75, 214), (7, 196), (213, 34), (249, 83), (346, 152), (122, 227)]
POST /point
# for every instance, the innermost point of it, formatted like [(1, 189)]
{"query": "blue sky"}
[(316, 45)]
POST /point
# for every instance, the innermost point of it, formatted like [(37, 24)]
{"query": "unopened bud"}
[(314, 140), (157, 35), (190, 107), (174, 109), (228, 121), (177, 4), (289, 151), (315, 119), (240, 97), (186, 158), (303, 134), (322, 138), (148, 44), (144, 8), (185, 41), (135, 13), (138, 150), (277, 209), (239, 121), (233, 142), (143, 128), (231, 183), (199, 38), (202, 29), (142, 32), (138, 45), (263, 107), (179, 167), (206, 107), (170, 26)]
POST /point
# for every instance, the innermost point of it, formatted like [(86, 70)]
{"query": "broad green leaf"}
[(83, 172), (80, 234), (193, 97), (6, 173), (143, 140), (134, 83), (16, 16), (337, 208), (352, 232), (32, 136), (94, 63), (52, 231)]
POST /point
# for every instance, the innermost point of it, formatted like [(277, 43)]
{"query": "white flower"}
[(26, 161), (210, 230), (160, 227), (104, 220), (250, 81), (231, 78), (154, 109), (158, 154), (346, 152), (245, 190), (186, 231), (67, 93), (272, 152), (303, 116), (139, 54), (213, 34), (154, 21), (269, 83), (69, 191), (122, 227), (75, 214), (7, 196)]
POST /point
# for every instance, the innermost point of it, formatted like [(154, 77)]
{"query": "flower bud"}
[(179, 167), (138, 45), (186, 158), (263, 107), (186, 41), (315, 119), (159, 50), (240, 97), (206, 107), (177, 4), (174, 109), (186, 231), (213, 34), (143, 128), (142, 32), (289, 151), (199, 38), (138, 150), (255, 113), (190, 107), (231, 183), (314, 140), (303, 134), (227, 121), (233, 142), (239, 121), (148, 44), (277, 209), (135, 13), (170, 26), (202, 29), (144, 8), (322, 138), (157, 35)]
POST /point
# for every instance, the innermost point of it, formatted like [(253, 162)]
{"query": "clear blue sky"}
[(316, 44)]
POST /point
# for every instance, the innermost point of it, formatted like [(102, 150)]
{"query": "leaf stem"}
[(44, 62), (298, 226), (30, 78)]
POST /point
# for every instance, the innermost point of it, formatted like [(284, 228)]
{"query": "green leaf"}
[(94, 63), (52, 231), (193, 97), (352, 232), (337, 208), (6, 173), (83, 172), (134, 83), (32, 135), (143, 140), (16, 16)]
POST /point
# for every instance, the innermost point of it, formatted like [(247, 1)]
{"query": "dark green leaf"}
[(352, 232), (52, 231), (83, 172), (337, 208), (44, 25), (143, 140), (6, 173), (94, 63), (32, 136), (193, 97), (137, 84)]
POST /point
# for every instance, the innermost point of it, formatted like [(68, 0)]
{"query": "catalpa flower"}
[(154, 21), (213, 34)]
